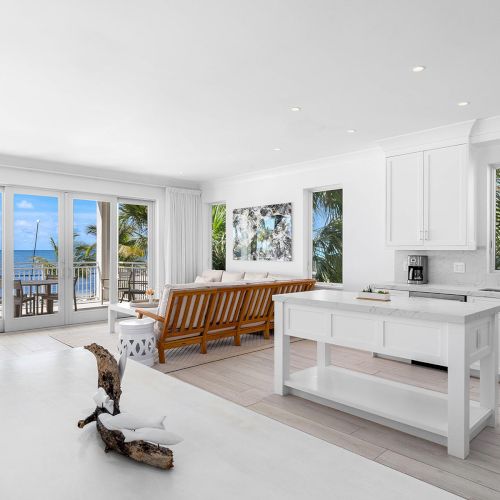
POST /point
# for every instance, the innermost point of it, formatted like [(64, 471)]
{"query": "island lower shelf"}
[(412, 409)]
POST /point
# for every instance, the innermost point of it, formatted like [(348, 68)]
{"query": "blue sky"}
[(30, 208)]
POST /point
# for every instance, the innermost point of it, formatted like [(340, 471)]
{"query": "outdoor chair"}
[(21, 300), (136, 285), (50, 295)]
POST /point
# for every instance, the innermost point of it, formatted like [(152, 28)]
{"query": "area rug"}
[(177, 359)]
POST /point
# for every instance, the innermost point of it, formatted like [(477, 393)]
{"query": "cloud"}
[(25, 204)]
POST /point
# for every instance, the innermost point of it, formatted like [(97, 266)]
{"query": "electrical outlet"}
[(459, 267)]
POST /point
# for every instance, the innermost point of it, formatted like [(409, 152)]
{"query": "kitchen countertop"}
[(446, 311), (437, 288)]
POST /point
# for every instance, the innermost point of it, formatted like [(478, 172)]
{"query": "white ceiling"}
[(201, 89)]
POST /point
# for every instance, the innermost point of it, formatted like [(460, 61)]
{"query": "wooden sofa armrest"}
[(149, 314)]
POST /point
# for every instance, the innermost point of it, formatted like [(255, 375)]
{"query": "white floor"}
[(229, 451)]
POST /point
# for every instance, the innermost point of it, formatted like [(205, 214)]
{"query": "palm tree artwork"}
[(327, 236)]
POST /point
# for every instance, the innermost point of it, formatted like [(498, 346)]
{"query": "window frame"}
[(491, 218), (309, 240), (210, 232)]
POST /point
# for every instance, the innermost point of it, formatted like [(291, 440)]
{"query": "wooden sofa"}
[(198, 315)]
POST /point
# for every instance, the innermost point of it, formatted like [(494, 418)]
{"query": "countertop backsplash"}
[(441, 267)]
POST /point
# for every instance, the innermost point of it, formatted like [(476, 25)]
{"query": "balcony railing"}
[(89, 285)]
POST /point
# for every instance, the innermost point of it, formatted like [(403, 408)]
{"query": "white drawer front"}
[(353, 331), (307, 323), (421, 342)]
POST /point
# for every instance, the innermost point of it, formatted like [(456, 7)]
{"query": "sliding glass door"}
[(66, 256), (134, 251), (34, 278), (91, 229)]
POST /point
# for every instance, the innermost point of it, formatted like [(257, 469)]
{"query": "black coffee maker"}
[(417, 269)]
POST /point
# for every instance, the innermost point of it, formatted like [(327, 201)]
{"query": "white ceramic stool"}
[(138, 335)]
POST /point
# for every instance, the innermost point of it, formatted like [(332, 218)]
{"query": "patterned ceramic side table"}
[(138, 335)]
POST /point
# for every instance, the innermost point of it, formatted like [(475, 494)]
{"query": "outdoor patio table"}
[(34, 283)]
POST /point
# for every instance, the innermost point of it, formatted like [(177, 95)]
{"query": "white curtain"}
[(183, 235)]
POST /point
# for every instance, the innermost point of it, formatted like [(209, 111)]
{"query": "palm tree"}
[(327, 236), (219, 237), (497, 221), (132, 232)]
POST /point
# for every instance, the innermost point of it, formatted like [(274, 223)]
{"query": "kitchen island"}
[(448, 333)]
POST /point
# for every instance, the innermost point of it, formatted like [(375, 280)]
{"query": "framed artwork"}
[(263, 233)]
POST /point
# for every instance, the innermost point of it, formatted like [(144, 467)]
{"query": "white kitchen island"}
[(448, 333)]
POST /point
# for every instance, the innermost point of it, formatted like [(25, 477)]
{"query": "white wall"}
[(37, 175), (362, 177)]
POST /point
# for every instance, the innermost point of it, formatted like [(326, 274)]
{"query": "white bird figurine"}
[(157, 436), (130, 422), (102, 400)]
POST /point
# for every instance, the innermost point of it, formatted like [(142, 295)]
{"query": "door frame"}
[(151, 235), (39, 321), (99, 312)]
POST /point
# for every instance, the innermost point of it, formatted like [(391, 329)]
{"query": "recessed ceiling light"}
[(276, 149), (418, 69), (463, 103), (295, 108), (351, 130)]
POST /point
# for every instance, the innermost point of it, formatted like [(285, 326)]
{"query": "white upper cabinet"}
[(405, 176), (445, 196), (430, 200)]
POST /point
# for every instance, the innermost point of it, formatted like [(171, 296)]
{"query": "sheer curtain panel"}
[(183, 240)]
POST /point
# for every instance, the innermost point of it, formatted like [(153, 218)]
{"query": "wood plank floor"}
[(248, 381)]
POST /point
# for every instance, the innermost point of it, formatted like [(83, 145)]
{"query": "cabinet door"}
[(445, 196), (404, 224)]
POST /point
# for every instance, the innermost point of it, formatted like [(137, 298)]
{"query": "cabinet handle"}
[(426, 235)]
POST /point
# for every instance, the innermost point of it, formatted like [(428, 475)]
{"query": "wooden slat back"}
[(186, 312), (227, 304), (257, 303), (198, 311)]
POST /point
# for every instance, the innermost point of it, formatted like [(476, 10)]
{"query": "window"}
[(496, 260), (219, 236), (133, 239), (327, 236)]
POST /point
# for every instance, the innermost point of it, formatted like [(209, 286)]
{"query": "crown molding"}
[(438, 137), (295, 168), (89, 172), (486, 130)]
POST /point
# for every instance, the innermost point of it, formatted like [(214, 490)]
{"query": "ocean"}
[(86, 285), (25, 256)]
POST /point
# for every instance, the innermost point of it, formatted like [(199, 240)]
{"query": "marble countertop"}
[(447, 311), (229, 452), (472, 290)]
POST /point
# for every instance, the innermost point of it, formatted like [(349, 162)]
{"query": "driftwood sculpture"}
[(110, 380)]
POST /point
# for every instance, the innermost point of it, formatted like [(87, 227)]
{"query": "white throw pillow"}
[(201, 279), (231, 277), (260, 280), (255, 276), (212, 275)]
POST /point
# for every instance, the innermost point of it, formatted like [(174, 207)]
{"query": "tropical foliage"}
[(219, 237), (327, 236), (132, 237), (497, 221)]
